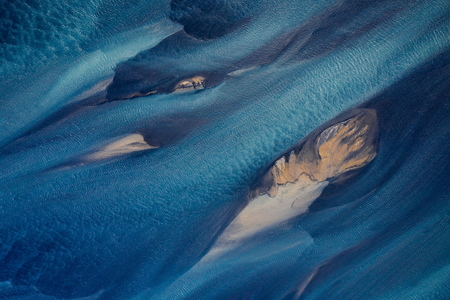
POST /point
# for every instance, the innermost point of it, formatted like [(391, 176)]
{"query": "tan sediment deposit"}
[(298, 178), (194, 83), (131, 143), (345, 146)]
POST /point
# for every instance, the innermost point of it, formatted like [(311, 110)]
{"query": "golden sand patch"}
[(340, 148)]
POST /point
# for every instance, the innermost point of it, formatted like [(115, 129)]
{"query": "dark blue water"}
[(136, 225)]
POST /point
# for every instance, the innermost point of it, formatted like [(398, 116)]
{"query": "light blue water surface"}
[(133, 227)]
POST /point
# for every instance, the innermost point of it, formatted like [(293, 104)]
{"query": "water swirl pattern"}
[(224, 149)]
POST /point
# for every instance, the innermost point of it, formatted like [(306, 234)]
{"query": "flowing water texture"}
[(214, 149)]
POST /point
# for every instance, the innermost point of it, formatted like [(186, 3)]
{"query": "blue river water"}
[(79, 75)]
